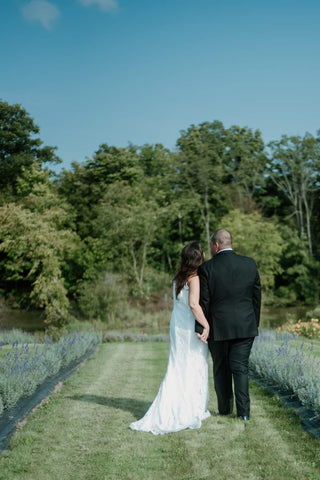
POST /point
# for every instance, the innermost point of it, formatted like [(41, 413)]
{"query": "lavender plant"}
[(72, 346), (288, 365), (26, 366), (16, 335)]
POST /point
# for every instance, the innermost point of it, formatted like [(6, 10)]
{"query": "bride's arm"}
[(194, 295)]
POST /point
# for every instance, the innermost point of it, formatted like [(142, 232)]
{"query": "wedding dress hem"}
[(178, 428)]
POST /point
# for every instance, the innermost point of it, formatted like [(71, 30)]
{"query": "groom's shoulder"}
[(206, 265), (245, 259)]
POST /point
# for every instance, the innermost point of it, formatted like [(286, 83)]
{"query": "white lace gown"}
[(183, 395)]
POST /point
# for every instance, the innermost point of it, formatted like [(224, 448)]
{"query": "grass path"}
[(83, 431)]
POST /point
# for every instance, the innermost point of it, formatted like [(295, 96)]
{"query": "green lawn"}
[(83, 432)]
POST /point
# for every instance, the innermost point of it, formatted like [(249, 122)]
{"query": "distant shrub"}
[(103, 299), (315, 313), (310, 329)]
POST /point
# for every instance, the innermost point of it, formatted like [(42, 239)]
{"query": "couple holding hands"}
[(216, 306)]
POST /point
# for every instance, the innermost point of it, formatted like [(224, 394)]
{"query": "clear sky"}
[(140, 71)]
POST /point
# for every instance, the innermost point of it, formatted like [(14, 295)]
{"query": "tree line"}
[(117, 222)]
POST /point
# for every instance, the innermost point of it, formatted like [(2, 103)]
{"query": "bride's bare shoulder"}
[(193, 280)]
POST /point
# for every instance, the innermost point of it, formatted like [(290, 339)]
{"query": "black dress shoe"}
[(244, 418)]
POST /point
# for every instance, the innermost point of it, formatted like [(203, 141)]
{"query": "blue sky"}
[(140, 71)]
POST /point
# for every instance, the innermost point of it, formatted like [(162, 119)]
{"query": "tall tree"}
[(35, 240), (85, 185), (129, 218), (258, 238), (19, 146), (299, 279), (201, 169), (246, 163), (294, 168), (160, 169)]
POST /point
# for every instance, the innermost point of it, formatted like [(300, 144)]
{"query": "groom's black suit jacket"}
[(230, 295)]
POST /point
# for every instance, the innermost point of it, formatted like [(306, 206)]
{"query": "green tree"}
[(299, 279), (32, 250), (246, 163), (160, 170), (19, 146), (36, 240), (201, 170), (128, 221), (259, 238), (294, 168), (85, 185)]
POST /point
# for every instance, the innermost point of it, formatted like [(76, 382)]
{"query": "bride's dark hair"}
[(191, 258)]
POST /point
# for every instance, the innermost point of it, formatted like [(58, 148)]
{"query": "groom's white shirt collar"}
[(225, 250)]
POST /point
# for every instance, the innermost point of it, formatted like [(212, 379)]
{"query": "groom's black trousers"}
[(231, 360)]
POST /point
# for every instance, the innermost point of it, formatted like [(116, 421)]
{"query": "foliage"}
[(103, 299), (246, 164), (259, 238), (129, 211), (201, 170), (294, 167), (120, 198), (298, 279), (85, 185), (36, 239), (32, 251), (26, 366), (18, 147), (314, 313), (129, 218), (277, 358)]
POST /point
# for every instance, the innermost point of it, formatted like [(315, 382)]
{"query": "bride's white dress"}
[(183, 395)]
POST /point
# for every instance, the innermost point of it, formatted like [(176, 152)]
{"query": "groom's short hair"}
[(222, 237)]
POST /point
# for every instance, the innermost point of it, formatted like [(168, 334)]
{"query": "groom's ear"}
[(214, 248)]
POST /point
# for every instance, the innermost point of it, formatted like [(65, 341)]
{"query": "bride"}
[(183, 395)]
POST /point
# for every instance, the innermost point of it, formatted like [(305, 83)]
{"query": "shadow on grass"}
[(137, 407)]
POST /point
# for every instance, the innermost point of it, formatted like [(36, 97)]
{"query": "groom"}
[(230, 296)]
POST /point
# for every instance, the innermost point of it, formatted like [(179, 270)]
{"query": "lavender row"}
[(289, 365), (25, 366)]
